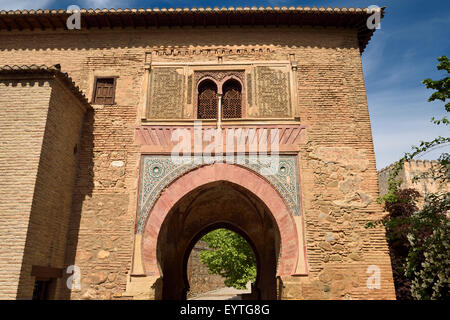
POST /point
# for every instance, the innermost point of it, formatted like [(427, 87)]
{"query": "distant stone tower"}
[(410, 170)]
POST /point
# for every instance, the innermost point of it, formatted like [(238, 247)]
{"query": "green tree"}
[(231, 257), (420, 239)]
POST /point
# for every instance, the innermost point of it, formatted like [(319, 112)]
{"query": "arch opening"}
[(219, 204), (213, 194)]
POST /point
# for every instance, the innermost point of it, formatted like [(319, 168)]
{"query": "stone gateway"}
[(267, 108)]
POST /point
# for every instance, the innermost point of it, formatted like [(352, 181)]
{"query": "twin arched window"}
[(231, 99)]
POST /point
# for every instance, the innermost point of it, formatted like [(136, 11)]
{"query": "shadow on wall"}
[(158, 287), (84, 184)]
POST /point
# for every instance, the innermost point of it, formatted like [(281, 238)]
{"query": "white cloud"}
[(44, 4), (372, 58), (101, 4), (24, 4)]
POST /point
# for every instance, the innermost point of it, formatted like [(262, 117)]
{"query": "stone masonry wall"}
[(411, 169), (338, 176), (200, 280), (103, 217)]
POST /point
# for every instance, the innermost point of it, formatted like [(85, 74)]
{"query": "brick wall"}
[(50, 212), (23, 108), (42, 121), (103, 212)]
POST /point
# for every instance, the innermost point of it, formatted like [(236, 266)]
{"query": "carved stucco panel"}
[(167, 92), (272, 92)]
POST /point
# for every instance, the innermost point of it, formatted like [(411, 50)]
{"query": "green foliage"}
[(442, 86), (397, 226), (428, 262), (419, 239), (231, 257)]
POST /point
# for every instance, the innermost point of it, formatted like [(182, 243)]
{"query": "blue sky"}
[(400, 55)]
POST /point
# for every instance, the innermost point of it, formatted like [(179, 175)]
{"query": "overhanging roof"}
[(52, 71), (239, 16)]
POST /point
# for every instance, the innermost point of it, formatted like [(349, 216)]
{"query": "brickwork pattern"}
[(26, 114), (50, 212), (42, 125)]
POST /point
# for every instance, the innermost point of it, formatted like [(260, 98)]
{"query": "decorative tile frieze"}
[(159, 171), (213, 51)]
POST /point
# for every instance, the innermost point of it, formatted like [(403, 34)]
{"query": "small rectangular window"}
[(45, 281), (41, 290), (104, 90)]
